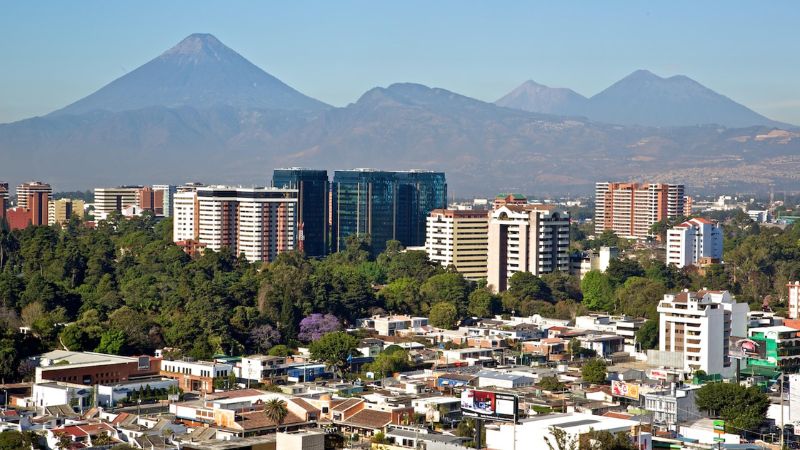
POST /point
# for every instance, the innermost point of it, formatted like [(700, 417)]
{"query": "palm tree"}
[(275, 410)]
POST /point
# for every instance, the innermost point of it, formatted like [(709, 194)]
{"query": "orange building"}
[(631, 209)]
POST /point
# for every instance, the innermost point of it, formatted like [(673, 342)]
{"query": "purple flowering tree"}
[(263, 337), (315, 325)]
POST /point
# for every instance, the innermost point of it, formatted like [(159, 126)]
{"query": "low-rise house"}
[(82, 435), (444, 410), (603, 344), (471, 355), (196, 376), (391, 325), (262, 369), (491, 378), (673, 406), (552, 349)]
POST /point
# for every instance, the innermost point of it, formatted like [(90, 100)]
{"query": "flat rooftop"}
[(58, 358)]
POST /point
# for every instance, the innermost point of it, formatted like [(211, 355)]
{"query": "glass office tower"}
[(384, 205), (313, 188)]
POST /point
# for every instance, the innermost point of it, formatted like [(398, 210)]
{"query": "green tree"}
[(280, 350), (401, 296), (527, 286), (551, 384), (560, 440), (275, 410), (446, 287), (741, 407), (11, 440), (563, 286), (444, 315), (620, 269), (482, 303), (647, 335), (639, 297), (111, 342), (594, 371), (387, 363), (335, 349), (598, 294), (605, 440)]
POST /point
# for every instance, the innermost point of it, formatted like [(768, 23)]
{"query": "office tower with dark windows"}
[(313, 196), (384, 205)]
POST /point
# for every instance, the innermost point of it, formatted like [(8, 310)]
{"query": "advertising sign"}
[(489, 405), (742, 347), (623, 389)]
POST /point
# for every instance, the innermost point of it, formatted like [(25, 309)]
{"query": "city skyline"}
[(340, 51)]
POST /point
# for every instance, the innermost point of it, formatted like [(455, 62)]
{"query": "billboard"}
[(489, 405), (623, 389), (742, 347)]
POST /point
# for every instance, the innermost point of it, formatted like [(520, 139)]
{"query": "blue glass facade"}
[(384, 205), (312, 206)]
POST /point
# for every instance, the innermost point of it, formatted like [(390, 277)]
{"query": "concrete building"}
[(24, 190), (501, 200), (88, 368), (257, 222), (152, 200), (699, 326), (630, 209), (168, 192), (595, 260), (781, 348), (114, 199), (794, 300), (530, 238), (691, 241), (392, 324), (62, 210), (459, 239), (197, 376), (3, 200), (673, 407), (61, 393), (301, 440), (109, 394), (536, 432)]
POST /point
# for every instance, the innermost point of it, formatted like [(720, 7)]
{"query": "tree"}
[(741, 407), (444, 315), (639, 297), (560, 440), (111, 342), (315, 326), (551, 384), (11, 440), (275, 409), (387, 363), (401, 296), (598, 294), (335, 349), (527, 286), (594, 371), (448, 287), (263, 337), (482, 303), (280, 350), (563, 286), (63, 441), (620, 269), (647, 336), (605, 440)]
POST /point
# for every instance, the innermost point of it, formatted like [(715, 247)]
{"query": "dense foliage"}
[(742, 408)]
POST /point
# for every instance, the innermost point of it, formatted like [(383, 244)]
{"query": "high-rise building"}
[(25, 189), (530, 238), (693, 240), (167, 195), (257, 222), (111, 200), (35, 212), (794, 300), (384, 205), (459, 238), (149, 199), (699, 325), (420, 192), (630, 209), (313, 195), (3, 200), (63, 209)]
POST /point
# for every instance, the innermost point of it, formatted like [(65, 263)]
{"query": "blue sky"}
[(53, 53)]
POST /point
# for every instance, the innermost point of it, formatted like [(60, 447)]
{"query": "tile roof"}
[(369, 418), (347, 404), (304, 404), (254, 420)]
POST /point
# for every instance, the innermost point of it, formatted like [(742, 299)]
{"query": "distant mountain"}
[(641, 98), (200, 128), (199, 72), (535, 97)]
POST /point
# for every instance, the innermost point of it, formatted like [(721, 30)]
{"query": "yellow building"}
[(61, 210)]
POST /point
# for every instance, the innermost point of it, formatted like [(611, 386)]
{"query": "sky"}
[(53, 52)]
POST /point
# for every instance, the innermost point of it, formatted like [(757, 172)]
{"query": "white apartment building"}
[(794, 300), (529, 238), (115, 199), (693, 240), (32, 187), (195, 375), (257, 222), (458, 238), (596, 260), (699, 325)]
